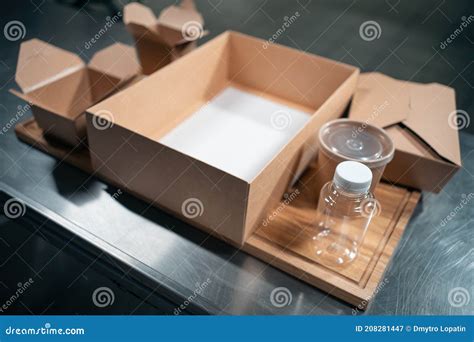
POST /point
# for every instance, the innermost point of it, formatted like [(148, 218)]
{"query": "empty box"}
[(217, 136)]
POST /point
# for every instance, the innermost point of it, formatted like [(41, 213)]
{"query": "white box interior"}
[(237, 132)]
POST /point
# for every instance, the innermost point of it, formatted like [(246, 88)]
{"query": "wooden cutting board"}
[(284, 241)]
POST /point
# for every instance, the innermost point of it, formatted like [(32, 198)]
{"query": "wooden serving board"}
[(284, 241)]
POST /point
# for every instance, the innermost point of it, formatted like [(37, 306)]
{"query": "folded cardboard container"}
[(159, 41), (185, 138), (416, 116), (60, 86)]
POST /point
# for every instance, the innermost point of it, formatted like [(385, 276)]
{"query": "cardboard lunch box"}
[(160, 41), (417, 118), (59, 86), (217, 80)]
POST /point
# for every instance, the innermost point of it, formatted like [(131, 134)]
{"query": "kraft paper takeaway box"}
[(60, 86), (159, 41), (216, 137), (420, 119)]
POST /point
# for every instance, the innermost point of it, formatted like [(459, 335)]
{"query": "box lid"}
[(175, 25), (178, 25), (40, 63), (136, 13), (118, 60), (422, 108)]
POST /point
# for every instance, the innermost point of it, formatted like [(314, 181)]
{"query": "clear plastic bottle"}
[(345, 209)]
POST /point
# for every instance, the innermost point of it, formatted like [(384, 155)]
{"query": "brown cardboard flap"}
[(141, 22), (176, 16), (430, 106), (188, 4), (175, 22), (410, 143), (423, 108), (33, 100), (40, 63), (136, 13), (380, 100), (118, 60), (175, 25)]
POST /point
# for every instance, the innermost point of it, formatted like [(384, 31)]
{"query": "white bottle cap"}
[(353, 177)]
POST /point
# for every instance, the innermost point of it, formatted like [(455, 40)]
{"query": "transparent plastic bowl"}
[(345, 139)]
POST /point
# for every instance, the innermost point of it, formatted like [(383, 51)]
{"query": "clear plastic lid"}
[(346, 139)]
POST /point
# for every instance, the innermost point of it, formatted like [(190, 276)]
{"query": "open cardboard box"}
[(60, 86), (162, 127), (417, 118), (160, 41)]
